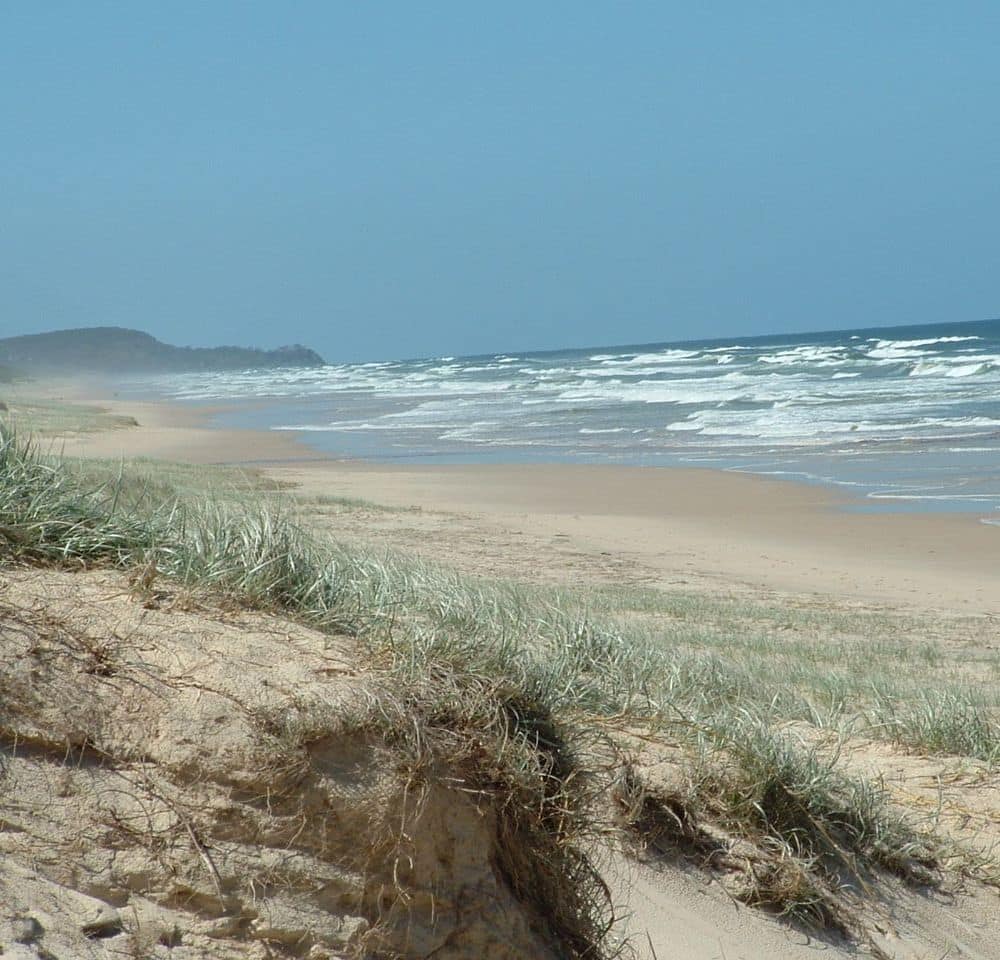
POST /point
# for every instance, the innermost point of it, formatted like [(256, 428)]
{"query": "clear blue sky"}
[(404, 179)]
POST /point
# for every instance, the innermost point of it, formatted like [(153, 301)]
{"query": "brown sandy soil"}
[(179, 781), (961, 919), (676, 913), (183, 670)]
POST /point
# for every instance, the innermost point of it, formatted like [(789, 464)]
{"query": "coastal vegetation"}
[(724, 732), (120, 350)]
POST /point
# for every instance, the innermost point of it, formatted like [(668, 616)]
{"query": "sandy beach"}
[(700, 529), (776, 544)]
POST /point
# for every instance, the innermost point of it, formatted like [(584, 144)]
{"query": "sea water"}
[(907, 417)]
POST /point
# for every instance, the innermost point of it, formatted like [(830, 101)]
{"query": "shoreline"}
[(685, 527)]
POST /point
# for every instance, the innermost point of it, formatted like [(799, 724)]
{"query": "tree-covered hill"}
[(120, 350)]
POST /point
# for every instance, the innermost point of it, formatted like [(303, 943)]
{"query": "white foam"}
[(795, 425), (665, 358), (807, 354), (631, 371), (956, 367), (358, 426), (972, 497), (928, 342), (893, 352)]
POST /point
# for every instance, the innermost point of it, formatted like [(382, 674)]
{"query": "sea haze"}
[(907, 416)]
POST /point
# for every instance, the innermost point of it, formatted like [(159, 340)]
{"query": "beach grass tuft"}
[(946, 722)]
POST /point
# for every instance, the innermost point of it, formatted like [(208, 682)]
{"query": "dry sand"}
[(171, 790), (724, 532)]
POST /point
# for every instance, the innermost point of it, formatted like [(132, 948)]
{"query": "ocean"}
[(908, 418)]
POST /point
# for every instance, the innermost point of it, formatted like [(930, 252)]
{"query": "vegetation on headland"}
[(120, 350), (578, 699)]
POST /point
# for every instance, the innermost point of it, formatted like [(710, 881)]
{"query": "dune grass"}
[(721, 678), (645, 654)]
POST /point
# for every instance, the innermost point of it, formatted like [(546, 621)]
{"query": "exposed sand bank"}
[(658, 526)]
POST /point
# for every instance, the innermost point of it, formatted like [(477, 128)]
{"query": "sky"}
[(393, 180)]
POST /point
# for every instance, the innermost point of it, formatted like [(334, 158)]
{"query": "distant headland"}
[(120, 350)]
